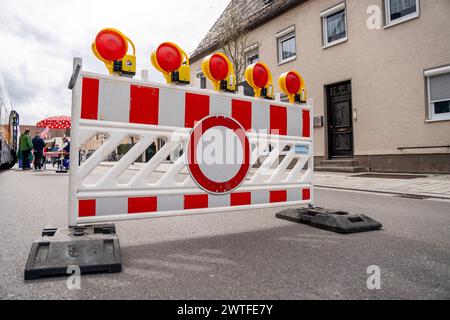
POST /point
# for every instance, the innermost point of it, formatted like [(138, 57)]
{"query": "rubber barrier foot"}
[(331, 220), (93, 248)]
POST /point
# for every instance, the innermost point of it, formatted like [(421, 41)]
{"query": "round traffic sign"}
[(218, 154)]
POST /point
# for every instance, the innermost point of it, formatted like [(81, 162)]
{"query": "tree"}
[(234, 40)]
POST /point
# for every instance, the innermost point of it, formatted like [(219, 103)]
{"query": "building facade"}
[(377, 70)]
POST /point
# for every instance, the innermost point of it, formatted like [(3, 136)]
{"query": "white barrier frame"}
[(107, 187)]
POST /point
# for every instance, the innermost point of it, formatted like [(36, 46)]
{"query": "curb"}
[(405, 195)]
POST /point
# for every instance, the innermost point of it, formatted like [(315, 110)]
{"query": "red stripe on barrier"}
[(144, 105), (197, 201), (241, 199), (278, 120), (89, 99), (141, 205), (86, 208), (241, 111), (306, 194), (306, 124), (278, 196), (197, 108)]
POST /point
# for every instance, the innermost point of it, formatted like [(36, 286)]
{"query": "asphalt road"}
[(240, 255)]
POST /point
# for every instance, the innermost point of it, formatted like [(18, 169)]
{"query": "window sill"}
[(287, 60), (335, 43), (401, 20), (436, 120)]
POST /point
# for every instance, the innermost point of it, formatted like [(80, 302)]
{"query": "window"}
[(438, 83), (334, 22), (286, 45), (251, 55), (202, 78), (398, 11)]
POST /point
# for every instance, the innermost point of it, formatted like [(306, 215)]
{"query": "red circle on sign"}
[(260, 75), (218, 67), (110, 45), (196, 172), (169, 57), (293, 83)]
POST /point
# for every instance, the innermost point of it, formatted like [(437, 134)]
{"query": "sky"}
[(39, 39)]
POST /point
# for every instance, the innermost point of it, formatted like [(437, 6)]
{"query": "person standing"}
[(38, 146), (66, 148), (25, 145)]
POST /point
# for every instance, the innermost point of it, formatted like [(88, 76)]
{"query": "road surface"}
[(239, 255)]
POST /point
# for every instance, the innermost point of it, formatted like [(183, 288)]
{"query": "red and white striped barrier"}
[(278, 169)]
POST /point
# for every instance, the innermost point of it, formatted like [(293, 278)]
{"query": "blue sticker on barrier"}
[(301, 149)]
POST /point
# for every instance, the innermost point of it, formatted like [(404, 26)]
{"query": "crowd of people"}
[(35, 151)]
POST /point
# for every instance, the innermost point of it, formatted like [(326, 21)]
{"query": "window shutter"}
[(440, 87)]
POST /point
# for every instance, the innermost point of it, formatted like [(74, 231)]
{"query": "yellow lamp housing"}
[(218, 68), (293, 85), (259, 77), (111, 47), (172, 62)]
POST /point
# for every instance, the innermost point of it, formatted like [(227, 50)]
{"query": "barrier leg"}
[(93, 249)]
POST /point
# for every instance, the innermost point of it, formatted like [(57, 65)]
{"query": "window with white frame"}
[(398, 11), (334, 22), (438, 83), (251, 55), (202, 79), (286, 45)]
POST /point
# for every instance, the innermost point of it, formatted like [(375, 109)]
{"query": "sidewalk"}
[(428, 186), (431, 186)]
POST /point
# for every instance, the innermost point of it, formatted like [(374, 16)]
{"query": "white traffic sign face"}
[(218, 154)]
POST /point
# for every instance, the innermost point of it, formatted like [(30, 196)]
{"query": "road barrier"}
[(274, 168)]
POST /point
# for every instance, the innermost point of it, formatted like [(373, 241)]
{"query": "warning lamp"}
[(218, 68), (172, 62), (111, 47), (259, 77), (292, 84)]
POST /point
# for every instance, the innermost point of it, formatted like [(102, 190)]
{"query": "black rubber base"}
[(332, 220), (94, 249)]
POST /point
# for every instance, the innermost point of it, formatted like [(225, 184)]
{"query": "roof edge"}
[(252, 26)]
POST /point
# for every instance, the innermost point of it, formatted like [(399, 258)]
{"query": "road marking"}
[(174, 265), (212, 251), (202, 258), (307, 240), (150, 274), (324, 236)]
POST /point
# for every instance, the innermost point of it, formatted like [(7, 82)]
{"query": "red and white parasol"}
[(59, 122)]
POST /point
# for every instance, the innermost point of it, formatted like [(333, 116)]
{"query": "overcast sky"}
[(39, 38)]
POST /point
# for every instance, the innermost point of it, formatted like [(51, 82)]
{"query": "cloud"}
[(40, 38)]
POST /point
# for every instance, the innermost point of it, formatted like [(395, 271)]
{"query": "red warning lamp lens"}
[(169, 57), (218, 67), (111, 45), (260, 76), (293, 83)]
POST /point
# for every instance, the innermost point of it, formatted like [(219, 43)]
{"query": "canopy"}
[(59, 122)]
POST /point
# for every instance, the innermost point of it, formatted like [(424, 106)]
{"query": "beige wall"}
[(385, 66)]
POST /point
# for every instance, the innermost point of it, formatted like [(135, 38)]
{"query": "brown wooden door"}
[(340, 122)]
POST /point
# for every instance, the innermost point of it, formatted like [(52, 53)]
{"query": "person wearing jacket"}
[(38, 146), (25, 146)]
